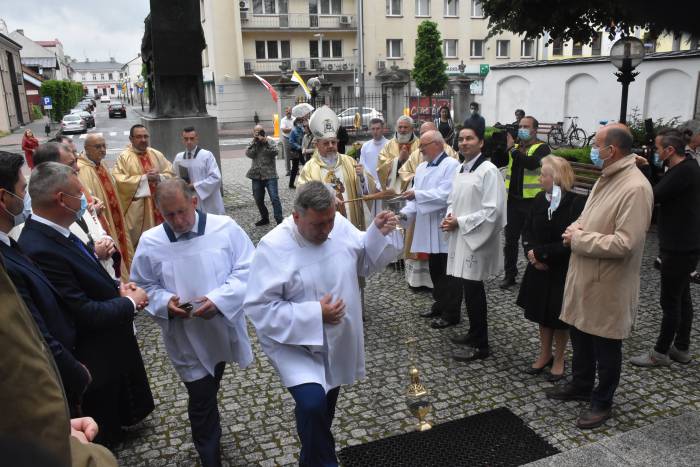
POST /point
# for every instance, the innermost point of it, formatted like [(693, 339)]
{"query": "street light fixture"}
[(626, 54)]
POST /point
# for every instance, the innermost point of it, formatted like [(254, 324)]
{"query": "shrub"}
[(36, 112), (582, 155)]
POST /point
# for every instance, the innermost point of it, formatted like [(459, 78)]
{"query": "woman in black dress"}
[(542, 288)]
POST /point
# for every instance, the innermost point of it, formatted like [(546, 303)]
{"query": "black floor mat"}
[(494, 438)]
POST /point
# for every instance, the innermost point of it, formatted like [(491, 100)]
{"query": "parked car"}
[(347, 116), (117, 108), (105, 98), (88, 117), (73, 123)]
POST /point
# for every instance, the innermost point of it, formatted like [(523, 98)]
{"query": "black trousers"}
[(517, 212), (294, 172), (475, 299), (443, 287), (203, 411), (591, 352), (676, 303)]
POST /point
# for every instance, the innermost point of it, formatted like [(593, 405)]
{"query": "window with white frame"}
[(477, 9), (502, 49), (394, 48), (110, 77), (330, 7), (476, 48), (94, 76), (422, 7), (451, 8), (329, 49), (265, 7), (102, 76), (449, 48), (272, 50), (527, 47), (393, 7)]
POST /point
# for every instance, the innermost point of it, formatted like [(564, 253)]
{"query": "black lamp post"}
[(314, 86), (626, 54)]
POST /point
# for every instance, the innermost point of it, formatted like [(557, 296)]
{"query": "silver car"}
[(347, 116), (73, 123)]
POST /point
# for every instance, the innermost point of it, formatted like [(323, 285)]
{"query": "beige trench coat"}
[(602, 285)]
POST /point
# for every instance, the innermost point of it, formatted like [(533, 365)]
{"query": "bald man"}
[(98, 181)]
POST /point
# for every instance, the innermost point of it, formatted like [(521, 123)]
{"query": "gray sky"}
[(96, 29)]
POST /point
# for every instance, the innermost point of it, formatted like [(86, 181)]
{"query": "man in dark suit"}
[(51, 314), (104, 309)]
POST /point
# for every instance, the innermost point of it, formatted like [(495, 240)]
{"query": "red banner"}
[(420, 108)]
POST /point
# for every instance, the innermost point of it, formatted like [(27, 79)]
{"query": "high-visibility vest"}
[(531, 178)]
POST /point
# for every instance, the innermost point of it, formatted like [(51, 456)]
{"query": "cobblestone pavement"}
[(257, 412)]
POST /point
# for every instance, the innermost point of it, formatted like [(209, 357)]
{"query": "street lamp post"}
[(314, 86), (626, 54)]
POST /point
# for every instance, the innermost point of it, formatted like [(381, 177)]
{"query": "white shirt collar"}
[(4, 238), (62, 230), (194, 228), (468, 165)]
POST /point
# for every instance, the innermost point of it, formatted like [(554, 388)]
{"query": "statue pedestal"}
[(166, 134)]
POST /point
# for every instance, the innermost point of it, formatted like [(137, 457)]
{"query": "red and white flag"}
[(268, 86)]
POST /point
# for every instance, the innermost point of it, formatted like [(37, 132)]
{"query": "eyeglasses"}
[(422, 146)]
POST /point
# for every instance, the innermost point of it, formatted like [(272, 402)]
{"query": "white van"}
[(104, 98)]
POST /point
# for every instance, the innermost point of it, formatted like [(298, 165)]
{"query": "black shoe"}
[(507, 282), (292, 187), (470, 354), (462, 339), (593, 418), (262, 222), (279, 221), (567, 392), (553, 377), (429, 314), (439, 323), (531, 370)]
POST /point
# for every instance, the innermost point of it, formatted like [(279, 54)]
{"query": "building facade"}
[(14, 110), (271, 38), (99, 78), (39, 59), (132, 80)]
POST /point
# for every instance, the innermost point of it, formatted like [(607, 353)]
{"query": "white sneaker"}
[(679, 356), (651, 358)]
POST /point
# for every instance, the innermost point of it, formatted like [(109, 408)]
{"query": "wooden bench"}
[(543, 129), (585, 177)]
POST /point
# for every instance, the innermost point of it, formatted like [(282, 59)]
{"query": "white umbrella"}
[(301, 110)]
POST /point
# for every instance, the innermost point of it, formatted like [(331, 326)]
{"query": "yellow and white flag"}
[(300, 81)]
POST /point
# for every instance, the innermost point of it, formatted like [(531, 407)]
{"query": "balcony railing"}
[(297, 21), (275, 67)]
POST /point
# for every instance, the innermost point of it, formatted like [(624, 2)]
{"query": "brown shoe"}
[(592, 418)]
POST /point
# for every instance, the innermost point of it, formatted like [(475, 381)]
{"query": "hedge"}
[(582, 155), (64, 96)]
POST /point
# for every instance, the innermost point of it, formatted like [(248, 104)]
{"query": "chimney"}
[(21, 31), (112, 60)]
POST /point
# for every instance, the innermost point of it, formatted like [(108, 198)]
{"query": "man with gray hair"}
[(307, 310), (103, 309), (194, 268), (399, 147)]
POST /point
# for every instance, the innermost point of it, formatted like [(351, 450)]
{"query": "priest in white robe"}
[(307, 310), (476, 216), (194, 268), (428, 205), (198, 167)]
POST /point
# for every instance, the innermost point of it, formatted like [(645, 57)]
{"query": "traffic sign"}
[(47, 102), (483, 69)]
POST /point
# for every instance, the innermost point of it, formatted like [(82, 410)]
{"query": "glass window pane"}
[(313, 49), (285, 49), (259, 49), (325, 7), (326, 48), (336, 7), (272, 49), (313, 7), (477, 9), (451, 7), (270, 7), (257, 6), (337, 48)]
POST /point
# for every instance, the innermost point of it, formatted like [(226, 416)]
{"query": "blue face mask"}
[(523, 134), (658, 162), (554, 203), (83, 206), (595, 158)]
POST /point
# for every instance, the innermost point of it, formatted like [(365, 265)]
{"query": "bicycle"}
[(591, 138), (575, 136)]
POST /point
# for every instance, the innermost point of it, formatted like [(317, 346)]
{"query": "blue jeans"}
[(259, 187), (314, 413)]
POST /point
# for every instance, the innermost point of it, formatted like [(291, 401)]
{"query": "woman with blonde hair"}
[(542, 288)]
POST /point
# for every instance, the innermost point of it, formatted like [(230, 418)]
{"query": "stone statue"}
[(171, 49)]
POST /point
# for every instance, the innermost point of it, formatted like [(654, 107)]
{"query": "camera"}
[(260, 133), (508, 128)]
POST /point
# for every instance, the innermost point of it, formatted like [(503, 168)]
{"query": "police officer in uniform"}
[(522, 184)]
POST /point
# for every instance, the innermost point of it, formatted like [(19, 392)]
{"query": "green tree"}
[(429, 65), (581, 21), (64, 96)]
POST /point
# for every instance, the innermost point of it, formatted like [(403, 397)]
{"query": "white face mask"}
[(554, 203), (22, 215)]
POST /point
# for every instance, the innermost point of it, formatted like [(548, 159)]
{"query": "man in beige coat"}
[(602, 285)]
